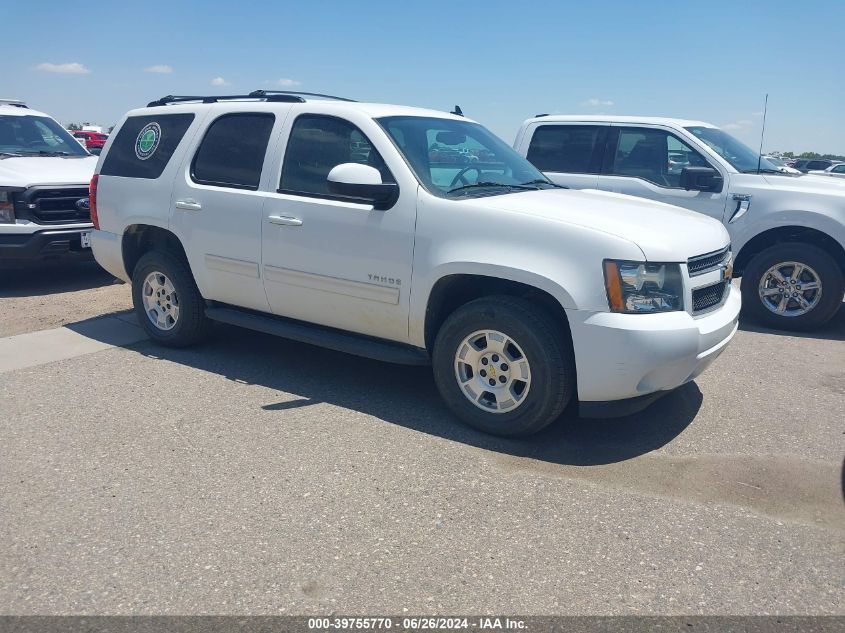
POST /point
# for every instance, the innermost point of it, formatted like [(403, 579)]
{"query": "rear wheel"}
[(792, 286), (504, 366), (166, 299)]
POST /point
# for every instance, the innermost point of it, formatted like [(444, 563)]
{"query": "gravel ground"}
[(44, 297)]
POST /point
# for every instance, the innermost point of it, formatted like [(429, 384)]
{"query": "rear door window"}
[(232, 152), (569, 149), (144, 145)]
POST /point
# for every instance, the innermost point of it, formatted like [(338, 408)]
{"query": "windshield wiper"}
[(486, 184), (763, 170), (541, 181), (10, 155)]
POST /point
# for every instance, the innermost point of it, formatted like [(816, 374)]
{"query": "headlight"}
[(642, 287), (7, 207)]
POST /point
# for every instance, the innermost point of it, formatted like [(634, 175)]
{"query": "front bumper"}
[(41, 245), (635, 357)]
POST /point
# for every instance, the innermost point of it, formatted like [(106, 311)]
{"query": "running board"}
[(338, 340)]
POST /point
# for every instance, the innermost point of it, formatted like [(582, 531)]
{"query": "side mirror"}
[(701, 179), (354, 180)]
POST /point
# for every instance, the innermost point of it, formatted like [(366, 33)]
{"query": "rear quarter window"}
[(144, 145)]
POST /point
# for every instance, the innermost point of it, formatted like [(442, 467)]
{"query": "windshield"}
[(458, 159), (739, 155), (36, 135)]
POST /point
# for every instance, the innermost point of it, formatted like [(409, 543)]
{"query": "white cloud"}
[(219, 81), (284, 83), (595, 102), (161, 69), (70, 68), (757, 113)]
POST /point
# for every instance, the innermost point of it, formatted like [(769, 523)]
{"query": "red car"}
[(93, 140)]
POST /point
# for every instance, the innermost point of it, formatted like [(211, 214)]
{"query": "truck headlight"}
[(643, 287), (7, 207)]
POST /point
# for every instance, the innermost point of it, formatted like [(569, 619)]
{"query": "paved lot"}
[(257, 475)]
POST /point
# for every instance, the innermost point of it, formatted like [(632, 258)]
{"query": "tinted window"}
[(653, 155), (317, 144), (122, 159), (818, 164), (232, 152), (566, 148), (839, 169)]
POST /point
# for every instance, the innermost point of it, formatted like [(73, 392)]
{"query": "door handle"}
[(284, 220), (188, 205)]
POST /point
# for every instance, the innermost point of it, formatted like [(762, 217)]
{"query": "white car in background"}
[(787, 230), (837, 171), (44, 177)]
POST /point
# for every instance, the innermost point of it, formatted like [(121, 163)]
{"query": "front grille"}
[(54, 206), (701, 264), (708, 296)]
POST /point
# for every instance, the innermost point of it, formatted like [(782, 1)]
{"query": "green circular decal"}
[(147, 142)]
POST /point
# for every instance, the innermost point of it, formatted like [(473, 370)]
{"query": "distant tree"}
[(74, 126), (788, 155), (809, 155)]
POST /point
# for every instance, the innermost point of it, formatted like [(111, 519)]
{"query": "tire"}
[(189, 325), (756, 279), (535, 338)]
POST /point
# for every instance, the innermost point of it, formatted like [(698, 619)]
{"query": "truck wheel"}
[(166, 299), (504, 366), (792, 286)]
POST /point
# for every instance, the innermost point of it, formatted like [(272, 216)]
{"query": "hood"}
[(663, 233), (27, 171), (806, 184)]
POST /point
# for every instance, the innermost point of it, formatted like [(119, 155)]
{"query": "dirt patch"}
[(45, 297)]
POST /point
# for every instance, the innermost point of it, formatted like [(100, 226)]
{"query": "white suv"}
[(44, 176), (787, 230), (367, 228)]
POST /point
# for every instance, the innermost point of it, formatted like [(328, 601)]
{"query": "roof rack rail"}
[(270, 93), (285, 98)]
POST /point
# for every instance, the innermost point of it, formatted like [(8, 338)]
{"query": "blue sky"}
[(501, 61)]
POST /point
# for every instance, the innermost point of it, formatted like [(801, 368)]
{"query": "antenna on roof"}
[(762, 133), (457, 111)]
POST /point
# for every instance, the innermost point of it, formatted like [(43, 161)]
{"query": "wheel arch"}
[(141, 238), (454, 290), (788, 234)]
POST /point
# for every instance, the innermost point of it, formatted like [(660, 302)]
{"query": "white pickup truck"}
[(410, 236), (44, 176), (787, 230)]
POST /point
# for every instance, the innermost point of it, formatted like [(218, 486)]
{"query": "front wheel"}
[(166, 299), (504, 366), (792, 286)]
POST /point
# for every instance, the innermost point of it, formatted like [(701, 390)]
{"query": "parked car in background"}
[(94, 141), (781, 165), (44, 176), (805, 165), (837, 171), (787, 230), (262, 211)]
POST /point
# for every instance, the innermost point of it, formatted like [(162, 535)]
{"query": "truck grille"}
[(53, 205), (708, 296), (701, 264)]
